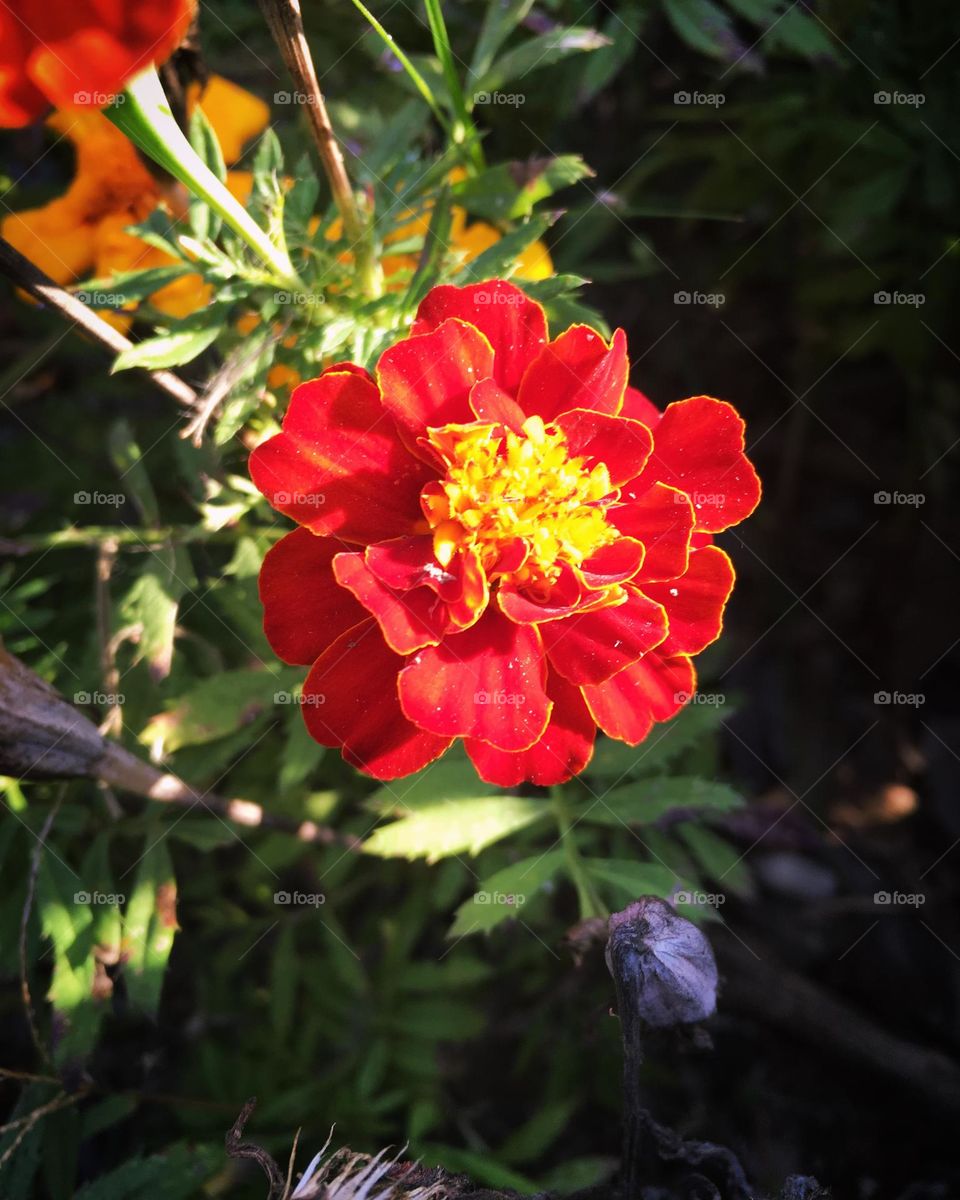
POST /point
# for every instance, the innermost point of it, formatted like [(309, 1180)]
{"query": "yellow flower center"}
[(504, 486)]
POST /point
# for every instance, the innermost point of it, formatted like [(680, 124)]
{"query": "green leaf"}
[(630, 879), (648, 800), (718, 860), (798, 33), (152, 603), (500, 20), (213, 708), (704, 27), (126, 457), (166, 350), (67, 920), (178, 1173), (500, 259), (616, 760), (464, 826), (509, 191), (301, 754), (536, 1136), (450, 778), (535, 53), (505, 893), (285, 974), (204, 222), (150, 922), (438, 1018)]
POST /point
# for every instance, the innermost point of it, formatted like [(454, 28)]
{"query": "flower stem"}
[(286, 25), (590, 903), (145, 117)]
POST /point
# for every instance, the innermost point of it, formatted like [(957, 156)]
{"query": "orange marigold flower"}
[(499, 541), (84, 231), (80, 52)]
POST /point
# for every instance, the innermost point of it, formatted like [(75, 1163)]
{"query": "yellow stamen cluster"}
[(503, 486)]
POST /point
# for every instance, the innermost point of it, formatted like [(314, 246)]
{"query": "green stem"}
[(145, 117), (590, 903)]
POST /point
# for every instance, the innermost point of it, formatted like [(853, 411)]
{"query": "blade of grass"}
[(464, 130)]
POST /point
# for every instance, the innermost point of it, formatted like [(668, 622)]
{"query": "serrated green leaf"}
[(166, 350), (616, 760), (704, 27), (631, 879), (213, 708), (178, 1173), (498, 897), (150, 922), (646, 801), (509, 191), (464, 826), (499, 21), (203, 221), (716, 857), (450, 778), (152, 603), (538, 52)]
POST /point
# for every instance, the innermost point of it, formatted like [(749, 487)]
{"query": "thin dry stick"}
[(29, 277), (286, 25), (28, 1122), (109, 671)]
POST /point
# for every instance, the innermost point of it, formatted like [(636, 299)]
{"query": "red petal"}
[(563, 751), (695, 601), (426, 380), (339, 467), (523, 605), (305, 609), (491, 403), (662, 518), (487, 682), (350, 701), (513, 324), (405, 563), (652, 689), (622, 444), (576, 370), (408, 620), (640, 407), (614, 563), (698, 447), (590, 647)]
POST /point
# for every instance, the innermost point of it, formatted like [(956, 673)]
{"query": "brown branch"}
[(237, 1148), (29, 277)]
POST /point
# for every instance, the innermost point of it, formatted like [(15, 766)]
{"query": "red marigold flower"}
[(80, 52), (500, 541)]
